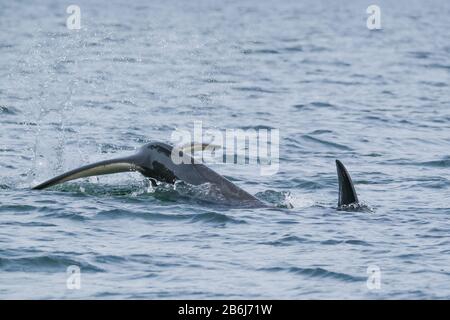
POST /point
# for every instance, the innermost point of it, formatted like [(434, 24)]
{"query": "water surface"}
[(377, 100)]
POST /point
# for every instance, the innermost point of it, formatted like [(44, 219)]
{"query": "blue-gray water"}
[(137, 70)]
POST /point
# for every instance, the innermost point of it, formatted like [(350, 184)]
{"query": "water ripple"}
[(45, 263), (317, 273)]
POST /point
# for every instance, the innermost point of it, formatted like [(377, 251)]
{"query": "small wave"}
[(321, 104), (126, 59), (48, 263), (305, 184), (431, 183), (287, 241), (313, 105), (123, 102), (437, 84), (351, 242), (443, 163), (409, 256), (294, 49), (257, 127), (440, 163), (317, 273), (128, 214), (17, 208), (260, 51), (321, 131), (8, 110), (326, 143), (388, 92), (438, 66), (213, 217), (420, 54), (64, 215), (254, 89), (207, 217), (29, 224), (343, 83), (314, 48), (110, 259)]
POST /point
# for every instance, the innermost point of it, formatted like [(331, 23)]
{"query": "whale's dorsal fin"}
[(347, 193)]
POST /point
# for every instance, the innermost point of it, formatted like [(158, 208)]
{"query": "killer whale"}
[(153, 160)]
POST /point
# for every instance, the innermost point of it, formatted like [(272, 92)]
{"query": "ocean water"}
[(138, 70)]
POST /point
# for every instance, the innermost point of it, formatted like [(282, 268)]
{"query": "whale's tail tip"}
[(347, 192)]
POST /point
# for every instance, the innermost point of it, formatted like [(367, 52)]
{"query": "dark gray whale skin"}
[(347, 192), (154, 161)]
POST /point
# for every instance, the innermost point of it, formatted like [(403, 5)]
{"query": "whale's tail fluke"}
[(347, 193), (99, 168)]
